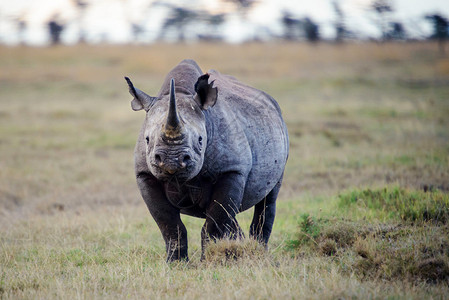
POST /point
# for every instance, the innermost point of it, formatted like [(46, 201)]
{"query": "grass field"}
[(363, 212)]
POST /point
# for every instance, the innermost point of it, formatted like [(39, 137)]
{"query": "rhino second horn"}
[(173, 125)]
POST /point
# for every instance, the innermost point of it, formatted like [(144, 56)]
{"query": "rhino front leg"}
[(175, 238), (225, 204), (166, 216)]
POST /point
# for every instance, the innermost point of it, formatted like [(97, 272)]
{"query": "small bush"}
[(310, 228)]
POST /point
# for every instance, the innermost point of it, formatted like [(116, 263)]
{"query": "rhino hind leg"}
[(264, 213)]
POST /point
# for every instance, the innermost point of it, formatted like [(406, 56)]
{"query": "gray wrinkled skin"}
[(225, 154)]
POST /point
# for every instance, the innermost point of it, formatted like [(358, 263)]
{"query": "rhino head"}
[(175, 129)]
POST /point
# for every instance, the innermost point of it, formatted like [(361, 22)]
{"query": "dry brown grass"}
[(233, 251), (72, 221)]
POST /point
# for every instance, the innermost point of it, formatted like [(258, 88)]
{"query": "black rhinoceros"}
[(210, 147)]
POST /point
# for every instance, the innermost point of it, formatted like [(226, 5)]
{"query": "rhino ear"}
[(206, 95), (141, 100)]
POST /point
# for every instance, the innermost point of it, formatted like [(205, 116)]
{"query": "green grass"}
[(363, 211), (397, 204)]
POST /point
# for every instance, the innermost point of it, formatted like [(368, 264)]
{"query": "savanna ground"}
[(363, 212)]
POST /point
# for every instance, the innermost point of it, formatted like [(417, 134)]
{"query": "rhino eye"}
[(200, 140), (147, 139)]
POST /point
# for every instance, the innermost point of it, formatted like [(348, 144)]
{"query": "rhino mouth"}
[(180, 178), (180, 175), (176, 177)]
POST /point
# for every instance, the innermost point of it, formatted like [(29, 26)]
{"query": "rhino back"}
[(185, 74), (257, 136)]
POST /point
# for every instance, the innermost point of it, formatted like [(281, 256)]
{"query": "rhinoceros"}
[(210, 147)]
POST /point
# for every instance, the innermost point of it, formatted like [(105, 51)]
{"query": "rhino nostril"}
[(185, 160), (157, 158)]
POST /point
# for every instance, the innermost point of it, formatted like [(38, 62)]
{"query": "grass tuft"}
[(233, 250)]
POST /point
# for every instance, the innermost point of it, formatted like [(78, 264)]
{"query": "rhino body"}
[(210, 147)]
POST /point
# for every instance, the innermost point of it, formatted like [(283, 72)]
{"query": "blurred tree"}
[(340, 27), (440, 30), (396, 31), (311, 30), (55, 30), (382, 8), (137, 31), (215, 21), (297, 29), (292, 26), (178, 20), (240, 7)]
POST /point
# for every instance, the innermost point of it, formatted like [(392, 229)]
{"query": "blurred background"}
[(235, 21)]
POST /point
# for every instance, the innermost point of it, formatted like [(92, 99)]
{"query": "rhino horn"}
[(173, 125)]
